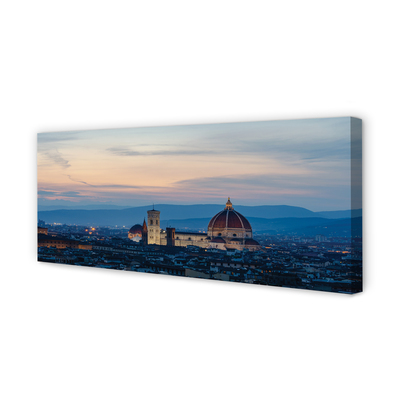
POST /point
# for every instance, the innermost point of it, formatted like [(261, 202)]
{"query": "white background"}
[(80, 333)]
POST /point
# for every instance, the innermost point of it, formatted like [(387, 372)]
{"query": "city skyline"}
[(304, 163)]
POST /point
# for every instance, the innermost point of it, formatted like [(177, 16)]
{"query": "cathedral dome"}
[(251, 242), (228, 219), (136, 230)]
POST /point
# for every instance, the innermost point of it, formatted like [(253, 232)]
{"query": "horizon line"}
[(152, 205)]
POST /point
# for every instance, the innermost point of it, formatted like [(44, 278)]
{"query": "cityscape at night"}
[(270, 203)]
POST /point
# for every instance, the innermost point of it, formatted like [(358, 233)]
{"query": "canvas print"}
[(274, 203)]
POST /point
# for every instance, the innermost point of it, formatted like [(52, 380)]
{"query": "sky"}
[(304, 163)]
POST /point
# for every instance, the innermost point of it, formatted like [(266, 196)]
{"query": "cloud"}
[(256, 160), (124, 152), (242, 181), (71, 194), (313, 193), (55, 156), (119, 151), (52, 137), (50, 193), (266, 185), (106, 186), (46, 193), (119, 186), (309, 139), (74, 180)]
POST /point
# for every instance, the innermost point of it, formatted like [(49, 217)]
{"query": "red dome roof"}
[(136, 229), (229, 218), (251, 242)]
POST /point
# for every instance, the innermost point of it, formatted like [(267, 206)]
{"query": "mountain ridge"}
[(301, 226), (133, 215)]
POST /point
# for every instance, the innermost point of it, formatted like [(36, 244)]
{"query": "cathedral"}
[(227, 230)]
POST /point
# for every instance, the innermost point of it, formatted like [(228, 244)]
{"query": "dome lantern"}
[(228, 205)]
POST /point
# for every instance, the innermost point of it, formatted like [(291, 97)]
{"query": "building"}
[(136, 233), (231, 230), (227, 230), (60, 242), (320, 238), (43, 231)]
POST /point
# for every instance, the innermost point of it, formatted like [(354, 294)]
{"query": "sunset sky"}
[(296, 162)]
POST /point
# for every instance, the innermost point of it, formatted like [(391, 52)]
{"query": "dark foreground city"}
[(331, 264)]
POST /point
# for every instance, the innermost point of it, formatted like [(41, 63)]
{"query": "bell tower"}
[(153, 227)]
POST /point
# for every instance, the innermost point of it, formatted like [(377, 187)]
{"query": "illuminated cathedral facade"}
[(227, 230)]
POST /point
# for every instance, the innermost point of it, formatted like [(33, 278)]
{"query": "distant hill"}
[(201, 210), (262, 218), (291, 226), (340, 214), (130, 216), (42, 207)]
